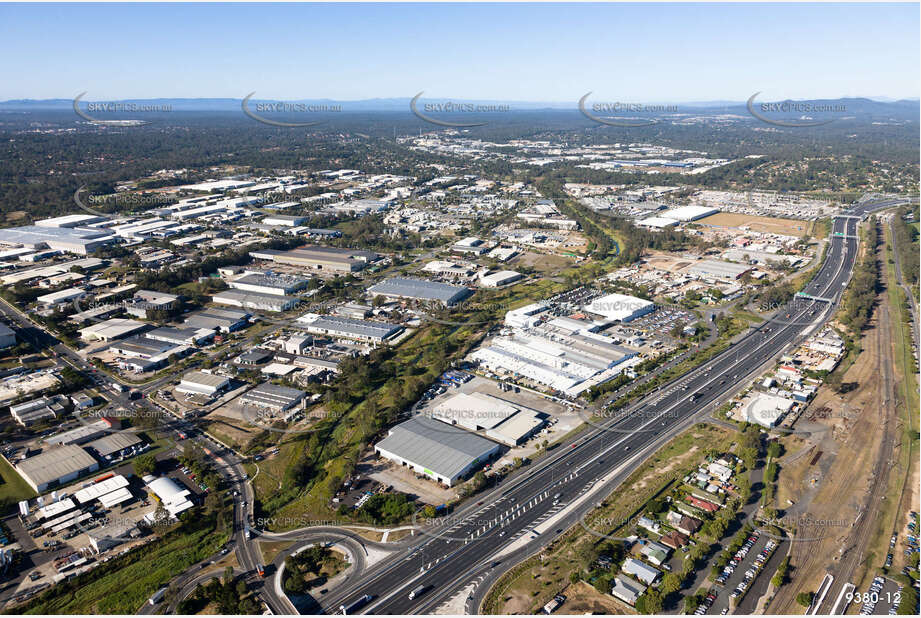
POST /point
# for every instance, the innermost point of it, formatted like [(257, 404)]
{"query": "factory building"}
[(173, 499), (181, 336), (436, 450), (273, 397), (115, 446), (269, 283), (420, 289), (56, 466), (81, 241), (255, 301), (348, 328), (525, 317), (689, 213), (201, 383), (112, 329), (145, 301), (222, 320), (286, 220), (500, 278), (44, 408), (320, 258), (502, 421), (81, 434), (717, 269), (620, 307)]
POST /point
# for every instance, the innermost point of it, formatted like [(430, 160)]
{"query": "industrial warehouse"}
[(320, 258), (436, 450), (255, 301), (349, 328), (269, 283), (56, 466), (399, 288), (564, 354), (273, 397)]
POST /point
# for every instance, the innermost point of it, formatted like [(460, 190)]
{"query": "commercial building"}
[(269, 283), (81, 241), (173, 499), (436, 450), (201, 383), (620, 307), (145, 348), (222, 320), (56, 466), (44, 408), (420, 289), (525, 317), (61, 297), (765, 409), (255, 301), (7, 336), (689, 213), (81, 434), (273, 397), (565, 357), (286, 220), (145, 301), (112, 329), (718, 269), (501, 420), (70, 221), (181, 336), (657, 223), (320, 258), (348, 328), (500, 278), (115, 446)]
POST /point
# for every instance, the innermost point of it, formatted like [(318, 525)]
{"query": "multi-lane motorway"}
[(500, 528)]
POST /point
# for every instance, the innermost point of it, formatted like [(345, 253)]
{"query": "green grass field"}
[(13, 487)]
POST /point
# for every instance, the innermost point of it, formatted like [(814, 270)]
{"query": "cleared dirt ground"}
[(789, 227)]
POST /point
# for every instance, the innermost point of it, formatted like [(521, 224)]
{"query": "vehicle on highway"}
[(157, 596), (417, 592), (357, 604)]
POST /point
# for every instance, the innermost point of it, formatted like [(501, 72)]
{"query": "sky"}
[(539, 52)]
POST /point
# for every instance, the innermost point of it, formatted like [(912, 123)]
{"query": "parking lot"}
[(880, 599), (746, 576)]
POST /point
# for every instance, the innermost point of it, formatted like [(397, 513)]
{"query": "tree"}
[(804, 598), (145, 464)]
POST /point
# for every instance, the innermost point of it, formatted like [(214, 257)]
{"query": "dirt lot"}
[(788, 227), (542, 263)]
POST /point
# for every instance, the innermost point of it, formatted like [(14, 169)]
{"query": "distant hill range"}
[(853, 106)]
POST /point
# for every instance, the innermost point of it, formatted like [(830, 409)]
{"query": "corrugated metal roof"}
[(437, 446)]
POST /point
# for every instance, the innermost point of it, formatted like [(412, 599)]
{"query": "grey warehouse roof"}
[(358, 328), (420, 288), (442, 448), (55, 463)]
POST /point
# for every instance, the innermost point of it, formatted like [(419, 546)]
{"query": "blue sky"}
[(543, 52)]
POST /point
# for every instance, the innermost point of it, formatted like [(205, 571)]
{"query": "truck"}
[(157, 596), (417, 592), (261, 570), (355, 605)]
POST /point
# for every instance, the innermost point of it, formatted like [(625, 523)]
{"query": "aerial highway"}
[(505, 525)]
